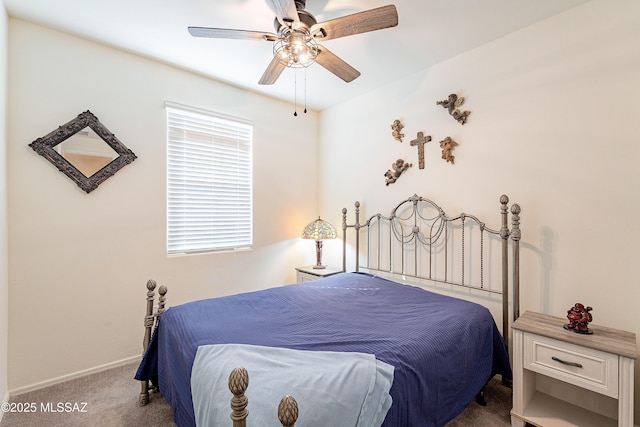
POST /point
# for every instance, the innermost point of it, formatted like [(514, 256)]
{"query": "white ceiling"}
[(429, 31)]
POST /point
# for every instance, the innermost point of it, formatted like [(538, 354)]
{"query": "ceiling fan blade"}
[(336, 65), (226, 33), (272, 72), (357, 23), (285, 11)]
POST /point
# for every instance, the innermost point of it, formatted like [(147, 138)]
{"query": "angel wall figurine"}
[(451, 104), (447, 145), (396, 127), (397, 168)]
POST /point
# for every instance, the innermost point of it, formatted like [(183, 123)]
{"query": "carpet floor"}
[(110, 399)]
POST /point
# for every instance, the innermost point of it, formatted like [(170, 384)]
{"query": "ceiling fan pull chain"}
[(305, 91), (295, 93)]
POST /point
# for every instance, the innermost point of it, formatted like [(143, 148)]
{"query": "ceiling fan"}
[(297, 35)]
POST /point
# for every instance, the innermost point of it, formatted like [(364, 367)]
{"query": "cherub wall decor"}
[(396, 127), (397, 168), (447, 145), (451, 104)]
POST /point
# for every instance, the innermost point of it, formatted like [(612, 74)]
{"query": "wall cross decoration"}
[(420, 141)]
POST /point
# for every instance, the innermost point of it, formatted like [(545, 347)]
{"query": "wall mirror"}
[(84, 150)]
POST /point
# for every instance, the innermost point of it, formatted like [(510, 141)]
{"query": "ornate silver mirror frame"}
[(47, 148)]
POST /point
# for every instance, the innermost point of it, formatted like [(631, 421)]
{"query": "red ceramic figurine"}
[(579, 318)]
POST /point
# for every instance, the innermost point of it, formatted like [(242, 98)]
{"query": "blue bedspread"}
[(443, 349)]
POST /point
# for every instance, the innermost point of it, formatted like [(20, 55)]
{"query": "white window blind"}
[(209, 182)]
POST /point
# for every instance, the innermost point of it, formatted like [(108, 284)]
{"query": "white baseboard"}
[(43, 384), (5, 400)]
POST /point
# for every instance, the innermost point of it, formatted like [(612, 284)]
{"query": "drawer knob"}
[(564, 362)]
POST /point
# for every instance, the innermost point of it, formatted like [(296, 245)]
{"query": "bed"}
[(430, 354)]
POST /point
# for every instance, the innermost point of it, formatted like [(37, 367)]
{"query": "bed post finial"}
[(515, 220), (238, 383), (344, 239), (288, 411), (516, 234), (143, 398), (504, 235), (148, 318), (357, 228), (162, 300), (344, 219)]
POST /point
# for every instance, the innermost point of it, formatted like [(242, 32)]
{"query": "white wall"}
[(553, 124), (79, 262), (4, 254)]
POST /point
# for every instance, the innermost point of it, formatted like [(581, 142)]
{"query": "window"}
[(209, 181)]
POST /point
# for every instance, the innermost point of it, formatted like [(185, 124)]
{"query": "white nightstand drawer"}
[(306, 277), (588, 368)]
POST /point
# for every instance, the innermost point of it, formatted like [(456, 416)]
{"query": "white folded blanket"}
[(332, 388)]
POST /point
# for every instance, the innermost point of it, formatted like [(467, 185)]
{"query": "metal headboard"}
[(418, 240)]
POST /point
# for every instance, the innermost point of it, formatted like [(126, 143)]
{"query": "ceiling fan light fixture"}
[(295, 48), (296, 32)]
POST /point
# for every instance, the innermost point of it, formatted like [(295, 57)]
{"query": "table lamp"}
[(319, 230)]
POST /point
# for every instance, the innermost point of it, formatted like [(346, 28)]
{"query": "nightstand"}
[(562, 378), (308, 273)]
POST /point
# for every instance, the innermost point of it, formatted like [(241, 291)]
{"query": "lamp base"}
[(318, 255), (319, 266)]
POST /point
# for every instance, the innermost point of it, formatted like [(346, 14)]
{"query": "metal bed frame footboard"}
[(418, 240), (287, 411), (152, 317)]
